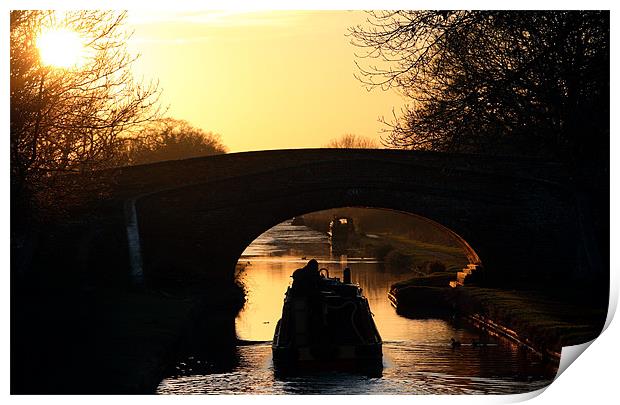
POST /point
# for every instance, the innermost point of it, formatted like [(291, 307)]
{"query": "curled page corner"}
[(613, 302), (569, 355)]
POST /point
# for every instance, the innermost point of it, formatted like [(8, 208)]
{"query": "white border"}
[(591, 378)]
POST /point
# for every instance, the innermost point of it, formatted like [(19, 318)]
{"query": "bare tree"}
[(72, 119), (171, 139), (350, 141), (524, 82)]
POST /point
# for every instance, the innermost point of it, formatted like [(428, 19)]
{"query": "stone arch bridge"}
[(195, 217)]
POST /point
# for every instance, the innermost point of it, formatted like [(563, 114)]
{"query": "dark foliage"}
[(70, 119), (532, 83)]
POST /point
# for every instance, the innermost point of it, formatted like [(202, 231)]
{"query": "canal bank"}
[(78, 324), (112, 341), (529, 319)]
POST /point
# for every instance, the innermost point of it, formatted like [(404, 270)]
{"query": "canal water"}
[(417, 353)]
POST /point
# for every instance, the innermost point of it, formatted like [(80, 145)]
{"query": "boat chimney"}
[(346, 276)]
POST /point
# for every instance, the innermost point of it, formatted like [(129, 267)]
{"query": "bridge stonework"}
[(197, 216)]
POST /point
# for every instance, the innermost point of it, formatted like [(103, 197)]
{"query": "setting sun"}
[(61, 47)]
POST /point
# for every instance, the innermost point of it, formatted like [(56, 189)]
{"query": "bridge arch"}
[(202, 213)]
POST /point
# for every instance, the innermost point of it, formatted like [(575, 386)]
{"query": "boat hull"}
[(366, 359), (330, 330)]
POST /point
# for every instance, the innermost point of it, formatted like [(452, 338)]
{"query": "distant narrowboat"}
[(342, 235)]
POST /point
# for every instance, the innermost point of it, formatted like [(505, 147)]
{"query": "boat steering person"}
[(306, 279)]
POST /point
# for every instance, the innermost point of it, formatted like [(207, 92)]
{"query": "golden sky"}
[(263, 80)]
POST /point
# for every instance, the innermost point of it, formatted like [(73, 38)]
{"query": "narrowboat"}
[(330, 327)]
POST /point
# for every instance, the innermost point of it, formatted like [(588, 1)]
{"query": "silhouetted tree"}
[(353, 141), (517, 82), (171, 139), (67, 120)]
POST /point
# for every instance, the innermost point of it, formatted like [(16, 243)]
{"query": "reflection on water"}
[(418, 357), (437, 369)]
